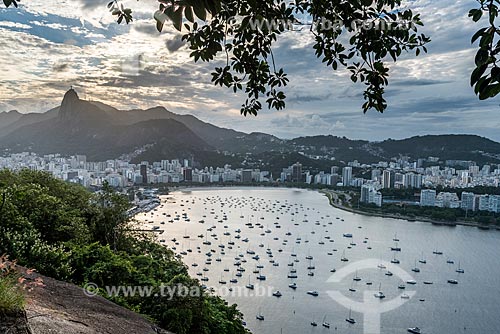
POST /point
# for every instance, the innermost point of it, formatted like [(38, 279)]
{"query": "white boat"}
[(379, 294), (414, 330), (459, 269), (277, 294), (249, 285), (313, 293), (325, 324), (415, 269), (350, 319)]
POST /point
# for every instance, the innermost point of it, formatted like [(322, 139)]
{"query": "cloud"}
[(93, 4), (49, 45), (60, 67), (174, 44)]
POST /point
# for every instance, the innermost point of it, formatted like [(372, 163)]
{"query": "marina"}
[(275, 250)]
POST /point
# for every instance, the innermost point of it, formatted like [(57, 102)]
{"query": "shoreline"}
[(327, 193), (407, 218)]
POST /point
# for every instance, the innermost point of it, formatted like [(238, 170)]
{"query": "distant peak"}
[(71, 95), (69, 104), (10, 112)]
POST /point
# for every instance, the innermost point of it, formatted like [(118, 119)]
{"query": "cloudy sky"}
[(48, 45)]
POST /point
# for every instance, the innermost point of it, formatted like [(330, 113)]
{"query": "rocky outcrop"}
[(63, 308)]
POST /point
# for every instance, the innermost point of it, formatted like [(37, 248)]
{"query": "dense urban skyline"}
[(57, 44)]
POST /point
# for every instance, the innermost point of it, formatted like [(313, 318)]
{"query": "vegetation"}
[(359, 36), (12, 299), (435, 213), (70, 234)]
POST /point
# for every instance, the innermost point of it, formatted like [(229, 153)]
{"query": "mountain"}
[(9, 117), (460, 147), (61, 308), (445, 147), (103, 132), (81, 127)]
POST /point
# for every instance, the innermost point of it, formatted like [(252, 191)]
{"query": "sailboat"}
[(437, 252), (249, 285), (260, 316), (422, 259), (460, 270), (343, 258), (396, 248), (379, 294), (325, 324), (350, 319), (309, 257), (206, 242), (356, 277), (415, 269)]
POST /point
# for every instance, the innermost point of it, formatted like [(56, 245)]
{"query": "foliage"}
[(435, 213), (12, 297), (357, 35), (68, 233), (486, 76), (360, 36)]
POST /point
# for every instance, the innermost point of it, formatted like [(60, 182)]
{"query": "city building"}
[(297, 172), (468, 201), (428, 197), (346, 176)]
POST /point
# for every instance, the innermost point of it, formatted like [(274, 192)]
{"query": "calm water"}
[(471, 306)]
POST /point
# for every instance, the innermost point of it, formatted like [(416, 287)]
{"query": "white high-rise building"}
[(428, 197), (447, 200), (484, 203), (494, 203), (346, 176), (468, 201)]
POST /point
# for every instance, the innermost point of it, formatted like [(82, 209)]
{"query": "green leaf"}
[(160, 18), (188, 12), (200, 10), (477, 73)]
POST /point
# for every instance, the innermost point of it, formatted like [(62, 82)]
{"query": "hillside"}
[(7, 118), (463, 147), (103, 132), (63, 308), (82, 128)]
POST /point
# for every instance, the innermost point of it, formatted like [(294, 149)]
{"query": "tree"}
[(355, 35), (359, 36), (486, 76)]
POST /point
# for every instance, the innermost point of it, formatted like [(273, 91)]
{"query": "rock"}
[(63, 308)]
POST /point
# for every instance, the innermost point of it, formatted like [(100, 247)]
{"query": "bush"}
[(68, 233), (12, 299)]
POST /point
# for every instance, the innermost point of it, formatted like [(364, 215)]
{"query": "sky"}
[(47, 46)]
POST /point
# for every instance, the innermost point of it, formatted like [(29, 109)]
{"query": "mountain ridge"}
[(103, 132)]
